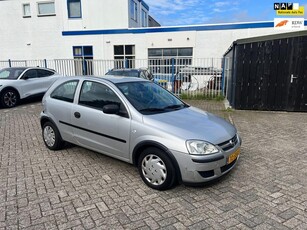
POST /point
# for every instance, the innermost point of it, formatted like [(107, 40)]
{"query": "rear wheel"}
[(52, 137), (9, 98), (156, 169)]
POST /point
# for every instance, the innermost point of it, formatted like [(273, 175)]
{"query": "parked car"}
[(139, 122), (22, 82), (140, 73)]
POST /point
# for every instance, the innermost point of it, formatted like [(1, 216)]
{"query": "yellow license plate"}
[(233, 156)]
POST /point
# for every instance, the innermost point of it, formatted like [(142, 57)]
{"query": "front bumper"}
[(199, 169)]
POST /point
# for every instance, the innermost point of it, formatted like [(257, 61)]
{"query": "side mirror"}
[(25, 77), (111, 109)]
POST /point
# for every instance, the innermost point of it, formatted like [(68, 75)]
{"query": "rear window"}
[(124, 73)]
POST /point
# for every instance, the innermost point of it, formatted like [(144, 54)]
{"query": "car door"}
[(32, 84), (46, 78), (107, 133)]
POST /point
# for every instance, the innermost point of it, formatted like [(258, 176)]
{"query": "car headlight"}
[(197, 147)]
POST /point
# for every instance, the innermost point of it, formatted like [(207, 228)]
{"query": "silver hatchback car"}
[(139, 122)]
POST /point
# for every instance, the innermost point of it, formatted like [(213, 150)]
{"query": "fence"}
[(187, 76)]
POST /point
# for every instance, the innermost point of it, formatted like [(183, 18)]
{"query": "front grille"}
[(229, 144)]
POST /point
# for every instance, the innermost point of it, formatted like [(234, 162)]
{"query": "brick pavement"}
[(78, 189)]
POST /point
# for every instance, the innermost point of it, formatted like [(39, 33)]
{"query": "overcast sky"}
[(191, 12)]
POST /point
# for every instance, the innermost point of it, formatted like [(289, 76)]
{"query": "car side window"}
[(97, 95), (65, 91), (44, 73), (32, 73)]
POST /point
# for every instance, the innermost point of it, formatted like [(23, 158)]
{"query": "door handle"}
[(292, 77), (77, 115)]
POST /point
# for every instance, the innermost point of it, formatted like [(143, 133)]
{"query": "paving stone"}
[(75, 188)]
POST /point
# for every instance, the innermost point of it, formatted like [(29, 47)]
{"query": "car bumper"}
[(201, 169)]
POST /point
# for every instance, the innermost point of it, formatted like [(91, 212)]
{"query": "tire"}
[(156, 169), (9, 98), (52, 137)]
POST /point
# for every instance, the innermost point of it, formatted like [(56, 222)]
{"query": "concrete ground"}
[(79, 189)]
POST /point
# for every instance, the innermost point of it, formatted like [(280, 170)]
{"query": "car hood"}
[(192, 123)]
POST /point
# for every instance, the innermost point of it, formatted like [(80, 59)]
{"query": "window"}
[(125, 54), (44, 73), (83, 56), (65, 92), (46, 8), (161, 59), (133, 10), (144, 19), (26, 10), (74, 8), (32, 73), (97, 95)]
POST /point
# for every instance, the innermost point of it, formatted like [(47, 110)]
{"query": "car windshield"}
[(11, 73), (150, 98), (130, 73)]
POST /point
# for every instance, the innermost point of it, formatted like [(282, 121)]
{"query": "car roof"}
[(110, 78), (124, 70), (29, 67)]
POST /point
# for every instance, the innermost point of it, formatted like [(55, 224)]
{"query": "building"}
[(108, 30)]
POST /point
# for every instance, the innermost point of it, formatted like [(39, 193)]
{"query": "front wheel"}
[(52, 137), (9, 98), (156, 169)]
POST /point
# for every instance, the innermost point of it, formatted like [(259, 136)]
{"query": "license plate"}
[(233, 156)]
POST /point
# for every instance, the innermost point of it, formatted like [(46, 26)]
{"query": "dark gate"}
[(268, 73)]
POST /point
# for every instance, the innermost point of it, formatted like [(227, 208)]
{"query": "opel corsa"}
[(139, 122)]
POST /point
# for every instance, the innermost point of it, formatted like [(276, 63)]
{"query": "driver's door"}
[(107, 133)]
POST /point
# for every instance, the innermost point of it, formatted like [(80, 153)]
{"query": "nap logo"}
[(283, 6), (286, 9)]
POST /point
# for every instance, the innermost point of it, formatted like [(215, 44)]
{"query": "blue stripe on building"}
[(251, 25)]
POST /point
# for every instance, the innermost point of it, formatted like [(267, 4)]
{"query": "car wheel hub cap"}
[(10, 99), (49, 136), (154, 169)]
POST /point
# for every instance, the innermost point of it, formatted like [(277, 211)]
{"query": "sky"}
[(195, 12)]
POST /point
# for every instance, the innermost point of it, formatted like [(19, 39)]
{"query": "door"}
[(297, 94), (107, 133)]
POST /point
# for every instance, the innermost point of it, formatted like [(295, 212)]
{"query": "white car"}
[(22, 82)]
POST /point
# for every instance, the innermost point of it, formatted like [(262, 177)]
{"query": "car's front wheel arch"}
[(139, 148)]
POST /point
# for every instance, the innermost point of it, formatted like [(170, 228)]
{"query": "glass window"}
[(74, 8), (32, 73), (118, 50), (97, 95), (170, 52), (154, 52), (133, 10), (187, 52), (44, 73), (26, 10), (65, 92), (124, 56), (129, 49), (144, 18), (46, 8), (88, 51)]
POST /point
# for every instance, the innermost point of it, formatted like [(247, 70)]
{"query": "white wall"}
[(41, 37)]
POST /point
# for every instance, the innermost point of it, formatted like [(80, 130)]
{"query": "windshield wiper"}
[(152, 110), (174, 107)]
